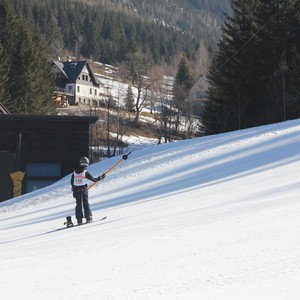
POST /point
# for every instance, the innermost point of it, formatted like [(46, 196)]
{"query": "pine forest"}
[(255, 74)]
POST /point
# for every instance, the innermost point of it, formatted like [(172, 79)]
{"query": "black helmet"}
[(84, 162)]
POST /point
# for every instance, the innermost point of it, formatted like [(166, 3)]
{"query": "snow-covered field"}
[(209, 218)]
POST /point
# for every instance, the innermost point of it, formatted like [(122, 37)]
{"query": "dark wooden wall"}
[(45, 139)]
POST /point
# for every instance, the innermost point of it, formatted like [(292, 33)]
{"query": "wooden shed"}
[(45, 148)]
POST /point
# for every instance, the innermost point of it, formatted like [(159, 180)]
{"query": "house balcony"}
[(62, 91)]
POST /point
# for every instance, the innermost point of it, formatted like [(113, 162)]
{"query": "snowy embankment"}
[(210, 218)]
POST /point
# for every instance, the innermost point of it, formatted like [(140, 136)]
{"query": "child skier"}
[(79, 182)]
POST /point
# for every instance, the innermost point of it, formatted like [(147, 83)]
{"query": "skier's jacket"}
[(80, 177)]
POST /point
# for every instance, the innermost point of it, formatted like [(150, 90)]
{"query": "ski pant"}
[(82, 203)]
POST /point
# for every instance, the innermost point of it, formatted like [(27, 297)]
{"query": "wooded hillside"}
[(108, 30), (202, 18)]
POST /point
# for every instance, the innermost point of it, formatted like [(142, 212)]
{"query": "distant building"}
[(198, 95), (75, 83), (45, 148)]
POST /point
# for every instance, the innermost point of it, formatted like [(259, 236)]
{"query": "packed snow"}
[(216, 217)]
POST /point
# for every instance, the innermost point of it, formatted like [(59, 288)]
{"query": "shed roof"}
[(49, 118), (3, 110)]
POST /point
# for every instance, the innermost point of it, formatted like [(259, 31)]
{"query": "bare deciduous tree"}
[(138, 68)]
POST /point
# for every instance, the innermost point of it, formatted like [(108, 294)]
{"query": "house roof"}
[(72, 70), (3, 110), (202, 83)]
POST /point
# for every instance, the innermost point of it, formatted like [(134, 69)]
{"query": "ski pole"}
[(124, 157)]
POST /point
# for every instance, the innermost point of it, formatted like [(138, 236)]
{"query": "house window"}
[(87, 78), (82, 77), (201, 95), (95, 92), (91, 91), (78, 89)]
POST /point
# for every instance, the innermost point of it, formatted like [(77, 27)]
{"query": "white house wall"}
[(86, 91)]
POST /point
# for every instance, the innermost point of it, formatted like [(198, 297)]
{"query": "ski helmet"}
[(84, 162)]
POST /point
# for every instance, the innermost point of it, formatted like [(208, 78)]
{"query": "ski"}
[(69, 223)]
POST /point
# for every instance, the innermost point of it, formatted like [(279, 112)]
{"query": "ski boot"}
[(90, 220), (69, 222)]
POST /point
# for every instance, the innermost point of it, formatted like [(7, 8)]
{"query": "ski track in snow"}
[(209, 218)]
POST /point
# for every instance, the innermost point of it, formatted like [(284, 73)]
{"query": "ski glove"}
[(101, 177)]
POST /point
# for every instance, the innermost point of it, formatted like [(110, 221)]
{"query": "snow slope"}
[(209, 218)]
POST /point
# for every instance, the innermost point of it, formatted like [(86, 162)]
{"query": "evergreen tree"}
[(27, 84), (231, 90), (279, 55), (251, 65), (4, 71), (183, 74), (119, 42), (181, 88), (91, 36), (7, 38), (293, 59), (182, 85), (129, 100), (31, 86)]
